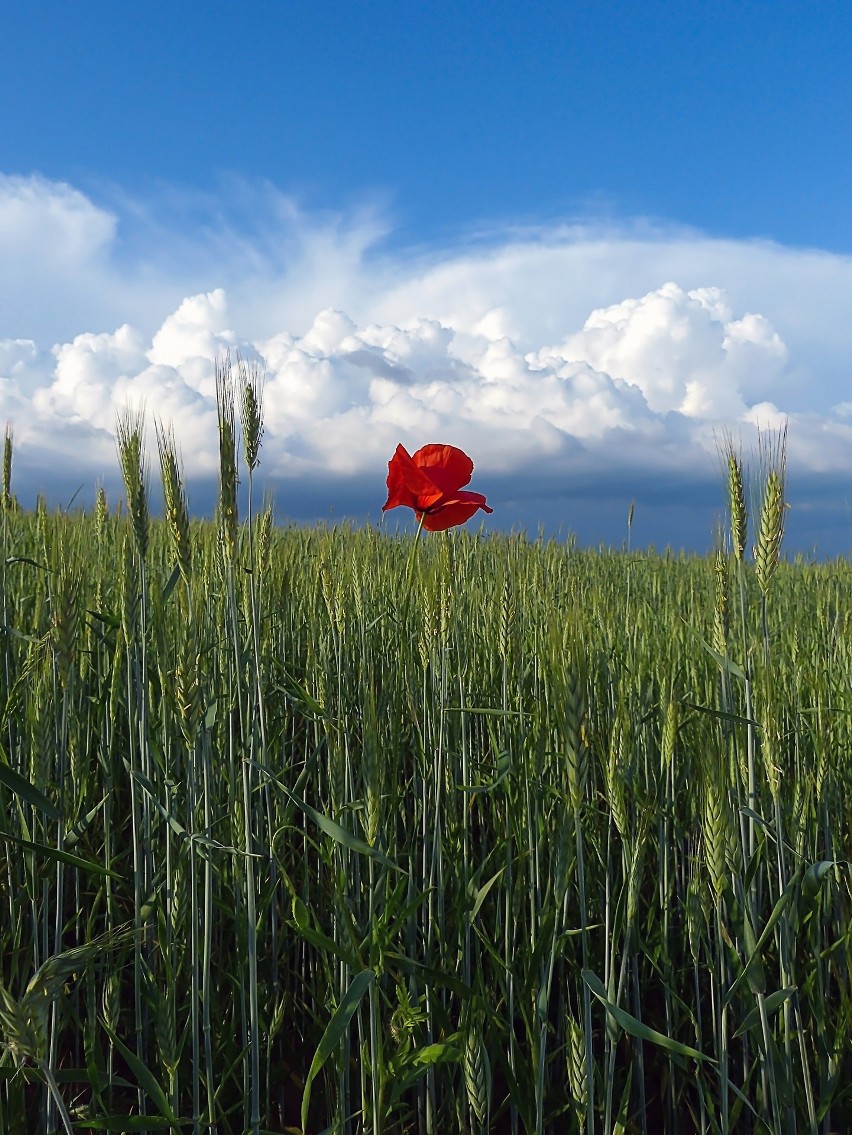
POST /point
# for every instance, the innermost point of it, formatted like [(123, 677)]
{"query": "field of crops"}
[(331, 830)]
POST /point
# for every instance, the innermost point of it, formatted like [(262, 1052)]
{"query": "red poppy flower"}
[(431, 482)]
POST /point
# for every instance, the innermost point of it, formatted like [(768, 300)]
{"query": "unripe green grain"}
[(228, 512), (101, 515), (576, 751), (66, 619), (264, 540), (737, 505), (616, 767), (696, 920), (507, 619), (7, 501), (128, 588), (768, 547), (130, 437), (188, 691), (251, 412), (477, 1074), (721, 616), (576, 1062), (670, 728), (715, 829), (177, 512)]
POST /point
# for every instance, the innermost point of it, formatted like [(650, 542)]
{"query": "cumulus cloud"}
[(576, 366), (684, 350)]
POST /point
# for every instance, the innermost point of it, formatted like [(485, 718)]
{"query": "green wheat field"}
[(338, 831)]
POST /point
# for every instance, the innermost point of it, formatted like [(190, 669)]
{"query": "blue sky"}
[(586, 239), (732, 117)]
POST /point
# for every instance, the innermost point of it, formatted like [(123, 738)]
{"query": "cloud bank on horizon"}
[(576, 364)]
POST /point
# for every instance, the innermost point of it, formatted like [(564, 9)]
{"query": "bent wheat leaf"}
[(779, 908), (341, 835), (144, 1077), (20, 786), (61, 856), (635, 1027), (771, 1004), (334, 1031)]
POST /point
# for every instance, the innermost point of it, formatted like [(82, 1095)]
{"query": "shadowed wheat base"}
[(553, 841)]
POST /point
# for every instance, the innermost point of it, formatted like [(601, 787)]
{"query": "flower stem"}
[(406, 603)]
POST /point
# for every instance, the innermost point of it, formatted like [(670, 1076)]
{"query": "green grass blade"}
[(635, 1027), (341, 835), (61, 856), (777, 912), (334, 1031), (771, 1004), (22, 788), (144, 1076)]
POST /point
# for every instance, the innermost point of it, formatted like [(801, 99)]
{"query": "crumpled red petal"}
[(450, 468), (454, 512), (409, 485)]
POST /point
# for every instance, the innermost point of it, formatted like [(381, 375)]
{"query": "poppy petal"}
[(448, 467), (409, 485), (457, 511)]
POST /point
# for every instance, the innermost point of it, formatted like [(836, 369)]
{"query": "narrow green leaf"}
[(109, 620), (77, 831), (727, 665), (84, 1076), (25, 790), (147, 787), (482, 893), (504, 767), (144, 1077), (721, 713), (771, 1004), (20, 635), (26, 560), (300, 914), (754, 863), (759, 820), (486, 711), (635, 1027), (302, 919), (439, 978), (60, 855), (341, 835), (334, 1031), (814, 878), (753, 968), (127, 1123), (777, 911), (443, 1051), (200, 843), (620, 1125), (295, 692), (170, 584)]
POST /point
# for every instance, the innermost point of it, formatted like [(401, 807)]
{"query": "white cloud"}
[(684, 350), (66, 228), (558, 358), (53, 245)]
